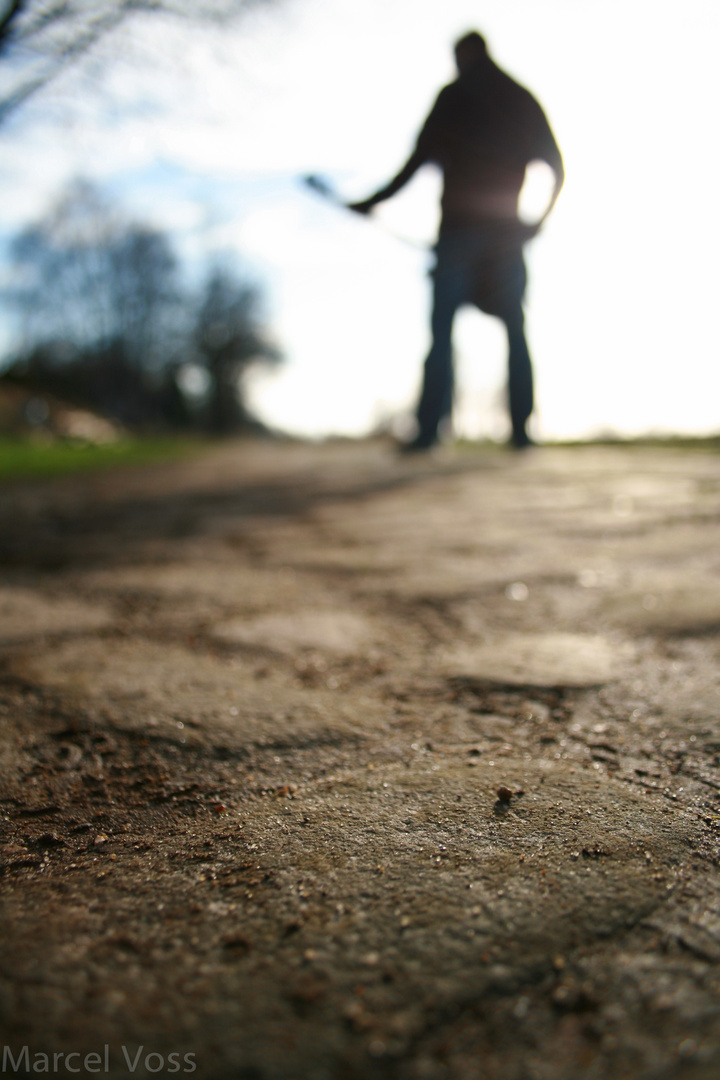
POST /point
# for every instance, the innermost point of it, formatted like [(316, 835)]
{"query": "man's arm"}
[(425, 150), (408, 170)]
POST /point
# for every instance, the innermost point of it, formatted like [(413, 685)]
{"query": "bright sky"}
[(208, 134)]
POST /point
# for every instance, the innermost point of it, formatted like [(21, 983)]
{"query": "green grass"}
[(26, 458)]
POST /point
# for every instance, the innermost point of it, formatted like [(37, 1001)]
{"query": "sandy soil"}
[(318, 763)]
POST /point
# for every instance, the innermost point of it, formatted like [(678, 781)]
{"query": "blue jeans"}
[(484, 266)]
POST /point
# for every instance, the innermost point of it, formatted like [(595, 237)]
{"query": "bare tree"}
[(39, 39), (87, 276), (229, 339), (104, 318)]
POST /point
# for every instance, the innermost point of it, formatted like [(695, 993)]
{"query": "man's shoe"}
[(419, 445), (521, 440)]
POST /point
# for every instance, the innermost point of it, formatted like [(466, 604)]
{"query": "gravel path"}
[(321, 764)]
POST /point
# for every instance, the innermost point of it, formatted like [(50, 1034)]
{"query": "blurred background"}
[(163, 264)]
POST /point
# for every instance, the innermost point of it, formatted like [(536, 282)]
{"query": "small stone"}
[(101, 838), (504, 794), (663, 1003), (50, 840), (566, 996), (236, 944)]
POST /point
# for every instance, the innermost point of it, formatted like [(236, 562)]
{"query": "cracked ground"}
[(322, 764)]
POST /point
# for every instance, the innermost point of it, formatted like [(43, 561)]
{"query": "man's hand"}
[(408, 170), (361, 207), (527, 232)]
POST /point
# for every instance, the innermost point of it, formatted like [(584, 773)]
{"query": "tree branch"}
[(46, 38), (8, 17)]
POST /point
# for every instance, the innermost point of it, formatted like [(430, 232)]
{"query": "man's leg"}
[(436, 397), (520, 377)]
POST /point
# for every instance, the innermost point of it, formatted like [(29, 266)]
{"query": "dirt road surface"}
[(322, 764)]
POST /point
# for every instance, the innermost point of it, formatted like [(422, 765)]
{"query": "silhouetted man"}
[(483, 131)]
